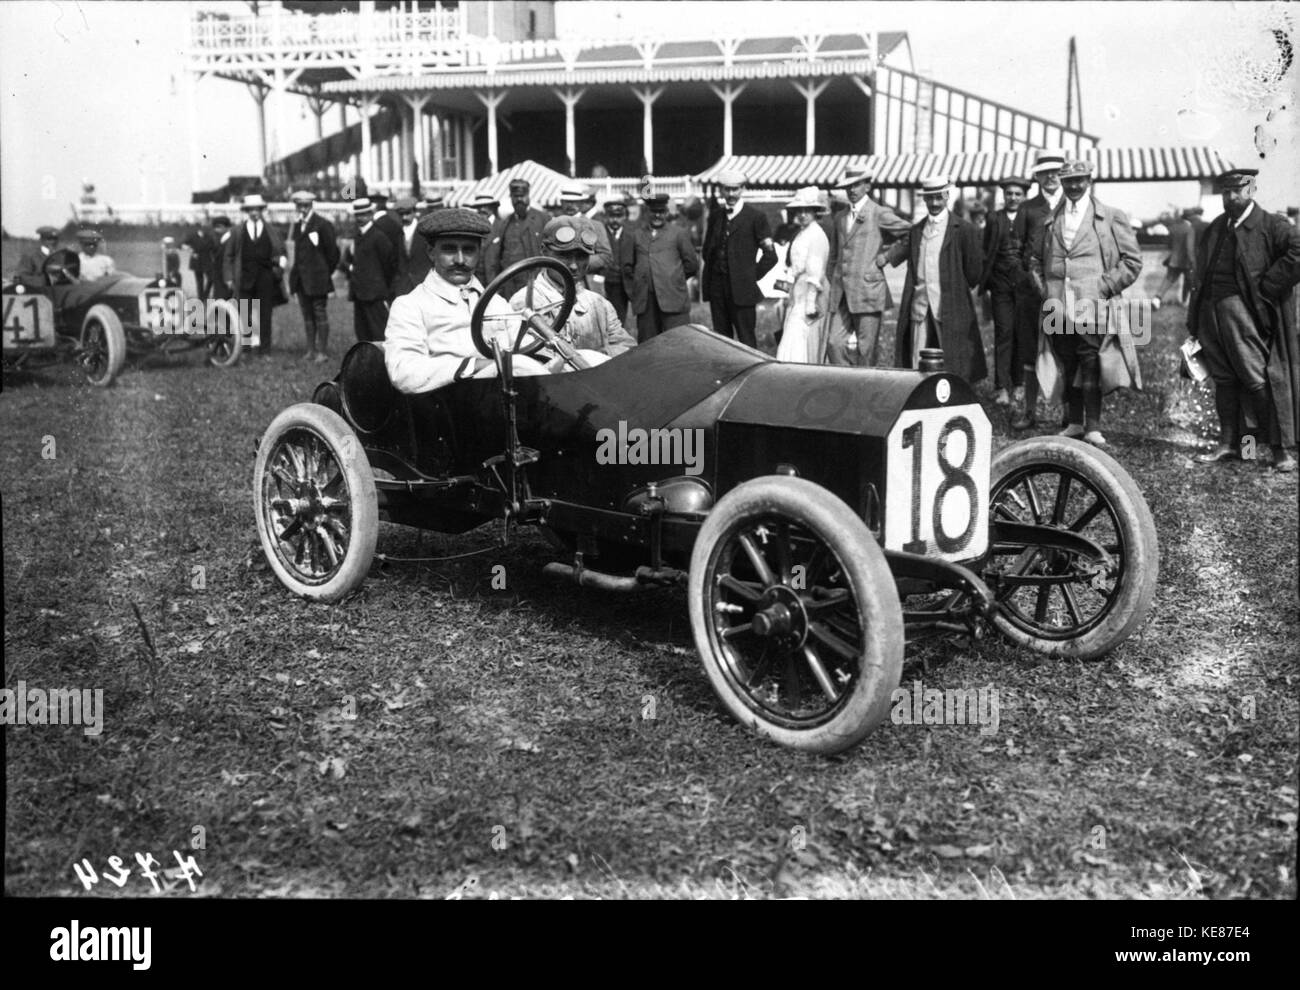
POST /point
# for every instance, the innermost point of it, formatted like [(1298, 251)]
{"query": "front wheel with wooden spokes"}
[(1065, 600), (795, 614), (315, 502)]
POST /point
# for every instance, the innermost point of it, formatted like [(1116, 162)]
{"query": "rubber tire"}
[(114, 342), (336, 434), (870, 580), (1137, 529), (232, 322)]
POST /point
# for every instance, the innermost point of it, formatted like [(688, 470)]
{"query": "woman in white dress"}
[(804, 309)]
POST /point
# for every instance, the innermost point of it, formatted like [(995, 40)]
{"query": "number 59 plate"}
[(937, 488)]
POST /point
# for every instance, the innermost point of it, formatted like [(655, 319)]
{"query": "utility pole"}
[(1073, 89)]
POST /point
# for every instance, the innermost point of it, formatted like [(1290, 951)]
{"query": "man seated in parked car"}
[(93, 264), (593, 326), (32, 264), (427, 342)]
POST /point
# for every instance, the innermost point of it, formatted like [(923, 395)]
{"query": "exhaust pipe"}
[(585, 577)]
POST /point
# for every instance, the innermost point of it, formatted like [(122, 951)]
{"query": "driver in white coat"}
[(427, 341)]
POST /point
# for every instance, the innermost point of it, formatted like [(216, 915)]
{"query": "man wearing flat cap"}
[(311, 274), (658, 258), (944, 262), (1243, 314), (592, 327), (1015, 305), (737, 232), (858, 294), (1089, 256), (374, 271), (516, 236), (428, 342), (31, 264), (94, 264)]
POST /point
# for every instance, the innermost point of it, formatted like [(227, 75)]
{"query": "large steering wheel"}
[(61, 266), (541, 323)]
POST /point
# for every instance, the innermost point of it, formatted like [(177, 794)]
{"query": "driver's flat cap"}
[(1237, 178), (454, 221), (570, 234), (88, 234), (47, 231)]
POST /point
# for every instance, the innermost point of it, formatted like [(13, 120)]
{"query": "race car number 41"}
[(936, 501), (28, 319)]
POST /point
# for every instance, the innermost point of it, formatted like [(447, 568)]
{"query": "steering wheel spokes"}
[(541, 323)]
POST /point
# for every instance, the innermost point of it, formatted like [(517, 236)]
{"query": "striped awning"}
[(545, 183), (971, 168)]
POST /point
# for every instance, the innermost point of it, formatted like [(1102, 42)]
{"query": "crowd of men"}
[(1052, 267)]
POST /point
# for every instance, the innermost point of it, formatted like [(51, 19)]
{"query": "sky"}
[(96, 89)]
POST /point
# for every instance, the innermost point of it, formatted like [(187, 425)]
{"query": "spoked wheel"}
[(795, 614), (225, 341), (1058, 601), (103, 346), (314, 496)]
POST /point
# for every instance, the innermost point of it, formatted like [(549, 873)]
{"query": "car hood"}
[(115, 286)]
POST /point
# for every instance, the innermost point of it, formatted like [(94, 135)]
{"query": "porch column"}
[(367, 152), (647, 96), (570, 97), (810, 91), (416, 104), (492, 99), (727, 94)]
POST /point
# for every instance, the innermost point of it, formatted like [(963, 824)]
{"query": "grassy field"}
[(501, 743)]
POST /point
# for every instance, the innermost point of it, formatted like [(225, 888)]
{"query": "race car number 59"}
[(938, 482), (28, 319)]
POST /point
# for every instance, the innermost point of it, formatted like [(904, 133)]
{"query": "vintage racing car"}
[(55, 316), (833, 514)]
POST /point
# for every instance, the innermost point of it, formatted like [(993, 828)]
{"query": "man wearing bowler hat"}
[(944, 262), (311, 276), (1089, 256), (858, 294), (737, 233), (1015, 313), (374, 272), (428, 343), (1243, 313)]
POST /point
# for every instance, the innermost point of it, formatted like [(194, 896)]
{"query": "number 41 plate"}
[(936, 500), (28, 321)]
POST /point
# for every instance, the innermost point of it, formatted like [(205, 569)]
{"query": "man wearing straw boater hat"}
[(258, 265), (1047, 173), (859, 295), (944, 262), (1089, 257), (1243, 313), (374, 271)]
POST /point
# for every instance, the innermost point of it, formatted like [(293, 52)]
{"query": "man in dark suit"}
[(315, 256), (615, 222), (258, 265), (222, 255), (1038, 210), (736, 234), (486, 206), (515, 236), (30, 264), (657, 263), (1243, 313), (944, 262), (413, 260), (1015, 318), (1182, 258), (202, 247), (374, 273), (386, 221)]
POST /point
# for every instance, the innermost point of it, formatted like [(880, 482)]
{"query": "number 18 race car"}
[(55, 315), (819, 517)]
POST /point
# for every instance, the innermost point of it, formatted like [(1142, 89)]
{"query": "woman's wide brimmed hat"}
[(808, 198)]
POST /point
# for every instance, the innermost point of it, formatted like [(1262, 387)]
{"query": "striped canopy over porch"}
[(545, 185), (972, 168)]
